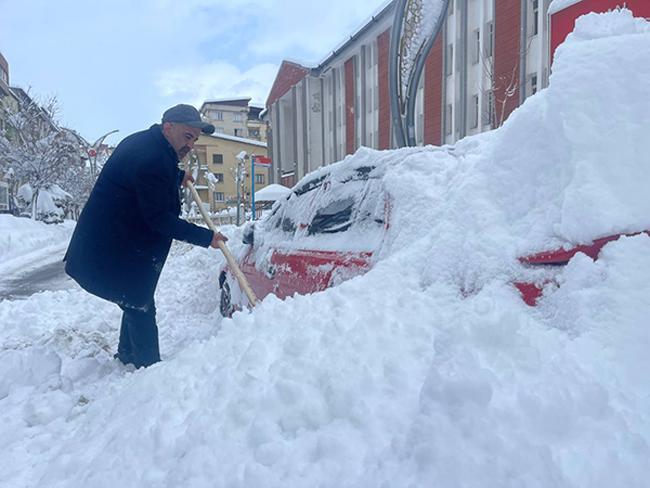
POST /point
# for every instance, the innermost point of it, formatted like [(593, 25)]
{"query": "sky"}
[(119, 64)]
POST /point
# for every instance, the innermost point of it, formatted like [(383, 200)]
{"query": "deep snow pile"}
[(427, 371)]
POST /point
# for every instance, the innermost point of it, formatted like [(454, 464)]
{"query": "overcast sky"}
[(117, 64)]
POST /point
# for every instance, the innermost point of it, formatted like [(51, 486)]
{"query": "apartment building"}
[(217, 153), (235, 117), (488, 58)]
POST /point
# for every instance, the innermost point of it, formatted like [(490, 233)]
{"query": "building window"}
[(448, 119), (535, 18), (449, 61), (474, 113), (239, 132), (488, 112), (476, 46), (488, 41), (254, 133), (4, 75), (218, 130), (218, 196), (217, 159), (217, 115), (533, 84), (219, 177), (259, 179), (236, 117)]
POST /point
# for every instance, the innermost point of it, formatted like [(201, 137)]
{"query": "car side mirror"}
[(248, 236)]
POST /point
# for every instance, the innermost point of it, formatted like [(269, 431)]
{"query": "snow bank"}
[(24, 241), (427, 371)]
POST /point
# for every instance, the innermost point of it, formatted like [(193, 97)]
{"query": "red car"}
[(329, 229), (531, 292), (325, 231)]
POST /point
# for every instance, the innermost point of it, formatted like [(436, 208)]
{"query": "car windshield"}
[(329, 213)]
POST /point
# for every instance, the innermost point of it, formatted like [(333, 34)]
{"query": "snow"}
[(24, 241), (427, 371), (271, 193), (557, 5)]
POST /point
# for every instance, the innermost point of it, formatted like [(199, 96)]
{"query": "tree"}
[(37, 152), (503, 95)]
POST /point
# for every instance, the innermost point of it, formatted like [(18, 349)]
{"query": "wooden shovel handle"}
[(232, 263)]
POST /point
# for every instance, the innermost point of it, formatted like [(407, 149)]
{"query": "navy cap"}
[(187, 115)]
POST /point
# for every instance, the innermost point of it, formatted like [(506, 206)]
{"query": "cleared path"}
[(50, 276)]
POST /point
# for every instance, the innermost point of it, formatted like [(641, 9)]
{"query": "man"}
[(125, 231)]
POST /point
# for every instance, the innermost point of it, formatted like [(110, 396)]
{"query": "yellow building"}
[(217, 154)]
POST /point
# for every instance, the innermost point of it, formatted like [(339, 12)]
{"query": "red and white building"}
[(488, 58)]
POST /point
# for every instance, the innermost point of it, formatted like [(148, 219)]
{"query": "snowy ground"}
[(427, 371)]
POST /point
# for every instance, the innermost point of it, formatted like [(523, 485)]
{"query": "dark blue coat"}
[(125, 230)]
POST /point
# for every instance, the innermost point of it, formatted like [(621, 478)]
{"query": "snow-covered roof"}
[(271, 193), (229, 100), (243, 140)]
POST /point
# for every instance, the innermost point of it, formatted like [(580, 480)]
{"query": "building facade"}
[(217, 154), (235, 117), (488, 58), (7, 96)]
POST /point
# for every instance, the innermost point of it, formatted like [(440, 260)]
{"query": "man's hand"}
[(187, 177), (218, 236)]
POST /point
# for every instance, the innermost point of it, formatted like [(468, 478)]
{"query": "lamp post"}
[(239, 176), (93, 151), (415, 27)]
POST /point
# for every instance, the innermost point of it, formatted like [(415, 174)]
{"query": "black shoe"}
[(122, 359)]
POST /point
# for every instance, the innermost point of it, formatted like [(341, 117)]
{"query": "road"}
[(50, 276)]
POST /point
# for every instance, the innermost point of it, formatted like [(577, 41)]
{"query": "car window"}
[(295, 211), (335, 217)]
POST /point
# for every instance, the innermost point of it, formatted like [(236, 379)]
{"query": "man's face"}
[(181, 137)]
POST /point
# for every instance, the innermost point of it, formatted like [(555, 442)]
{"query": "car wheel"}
[(225, 304)]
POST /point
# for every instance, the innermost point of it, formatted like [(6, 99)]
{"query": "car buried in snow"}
[(554, 261), (326, 230), (331, 227)]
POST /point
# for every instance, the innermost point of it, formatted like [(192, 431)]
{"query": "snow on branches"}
[(37, 153)]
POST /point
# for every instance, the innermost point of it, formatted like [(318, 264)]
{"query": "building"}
[(217, 154), (488, 58), (235, 117), (7, 96)]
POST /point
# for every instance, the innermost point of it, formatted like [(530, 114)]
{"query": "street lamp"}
[(239, 176), (93, 151)]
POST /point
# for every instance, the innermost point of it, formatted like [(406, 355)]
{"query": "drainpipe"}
[(463, 71)]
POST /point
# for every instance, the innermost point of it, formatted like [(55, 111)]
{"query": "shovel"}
[(234, 267)]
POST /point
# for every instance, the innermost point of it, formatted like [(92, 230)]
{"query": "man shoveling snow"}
[(125, 231)]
